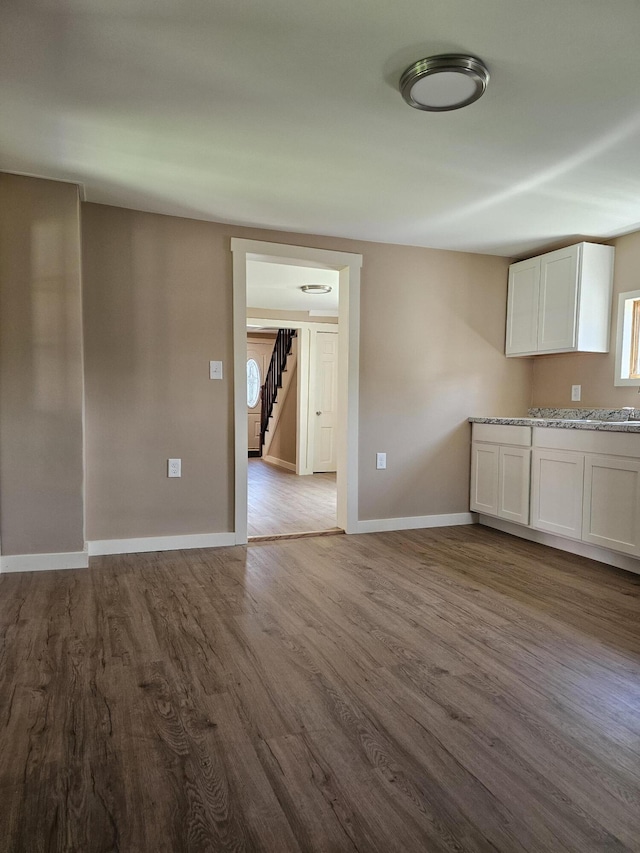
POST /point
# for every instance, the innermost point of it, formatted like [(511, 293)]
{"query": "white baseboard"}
[(273, 460), (415, 522), (43, 562), (144, 544), (571, 546)]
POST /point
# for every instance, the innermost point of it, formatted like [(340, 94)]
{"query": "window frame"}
[(627, 370)]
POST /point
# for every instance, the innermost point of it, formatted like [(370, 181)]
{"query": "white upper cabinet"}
[(561, 301), (522, 310), (558, 301)]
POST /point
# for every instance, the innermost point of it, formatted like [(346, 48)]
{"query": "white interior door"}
[(326, 402)]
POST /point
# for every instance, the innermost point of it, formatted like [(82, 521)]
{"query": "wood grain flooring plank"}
[(280, 501), (451, 689), (66, 720)]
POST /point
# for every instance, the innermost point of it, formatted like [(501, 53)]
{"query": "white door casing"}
[(348, 266)]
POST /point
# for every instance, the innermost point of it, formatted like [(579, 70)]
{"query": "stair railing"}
[(273, 379)]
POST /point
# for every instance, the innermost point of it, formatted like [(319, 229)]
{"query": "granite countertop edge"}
[(560, 423)]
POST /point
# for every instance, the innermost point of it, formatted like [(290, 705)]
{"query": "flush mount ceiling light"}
[(316, 288), (445, 82)]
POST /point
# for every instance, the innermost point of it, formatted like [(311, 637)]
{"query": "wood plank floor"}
[(443, 690), (282, 502)]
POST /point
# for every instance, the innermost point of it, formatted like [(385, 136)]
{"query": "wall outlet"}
[(215, 370), (174, 467), (381, 461), (576, 393)]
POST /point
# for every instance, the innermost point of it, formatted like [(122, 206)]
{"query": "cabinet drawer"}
[(588, 441), (520, 436)]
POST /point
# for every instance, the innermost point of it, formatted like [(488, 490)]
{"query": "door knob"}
[(318, 413)]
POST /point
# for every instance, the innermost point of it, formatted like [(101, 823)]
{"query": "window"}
[(628, 339), (253, 382)]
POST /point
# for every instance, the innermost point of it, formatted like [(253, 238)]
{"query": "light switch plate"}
[(576, 393), (215, 370)]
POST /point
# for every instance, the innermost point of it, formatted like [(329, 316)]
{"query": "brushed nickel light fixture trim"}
[(444, 82), (316, 288)]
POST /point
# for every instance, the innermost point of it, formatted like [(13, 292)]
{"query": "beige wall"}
[(553, 375), (432, 354), (158, 306), (41, 445), (157, 300)]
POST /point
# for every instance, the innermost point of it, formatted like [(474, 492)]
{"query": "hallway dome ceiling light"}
[(444, 82), (316, 288)]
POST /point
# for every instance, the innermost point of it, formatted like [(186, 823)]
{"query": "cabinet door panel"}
[(612, 503), (514, 483), (557, 478), (558, 302), (522, 307), (484, 478)]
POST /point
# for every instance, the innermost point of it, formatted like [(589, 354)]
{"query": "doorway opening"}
[(293, 421), (324, 428)]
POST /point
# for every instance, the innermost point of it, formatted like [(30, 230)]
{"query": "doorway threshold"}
[(272, 537)]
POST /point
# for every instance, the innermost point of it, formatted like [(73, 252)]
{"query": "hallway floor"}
[(282, 502)]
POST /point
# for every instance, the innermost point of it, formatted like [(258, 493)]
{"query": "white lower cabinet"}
[(500, 473), (484, 478), (556, 500), (611, 510), (584, 484), (513, 486)]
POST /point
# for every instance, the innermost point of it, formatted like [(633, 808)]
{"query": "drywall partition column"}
[(241, 495), (41, 376), (157, 310)]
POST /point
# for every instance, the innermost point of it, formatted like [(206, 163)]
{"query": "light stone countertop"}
[(609, 420)]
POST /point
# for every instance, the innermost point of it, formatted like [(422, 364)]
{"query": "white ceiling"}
[(277, 287), (285, 114)]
